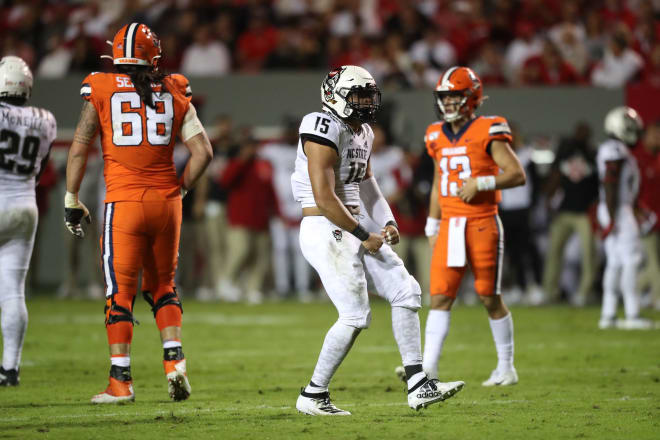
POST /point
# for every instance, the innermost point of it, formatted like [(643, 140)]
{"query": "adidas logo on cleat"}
[(429, 394)]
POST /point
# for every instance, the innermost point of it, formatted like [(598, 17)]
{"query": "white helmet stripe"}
[(447, 74), (130, 40)]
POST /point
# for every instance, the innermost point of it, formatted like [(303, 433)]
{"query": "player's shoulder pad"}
[(497, 125), (182, 83), (322, 128), (433, 131), (94, 81), (612, 150), (368, 130)]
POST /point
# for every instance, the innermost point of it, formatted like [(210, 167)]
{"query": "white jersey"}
[(352, 148), (26, 134), (614, 150)]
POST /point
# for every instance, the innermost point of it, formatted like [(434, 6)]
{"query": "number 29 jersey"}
[(26, 135), (137, 140), (462, 155), (353, 150)]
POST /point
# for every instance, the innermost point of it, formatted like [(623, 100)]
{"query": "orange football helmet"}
[(136, 45), (463, 82)]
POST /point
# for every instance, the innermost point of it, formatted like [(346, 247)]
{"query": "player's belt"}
[(314, 210)]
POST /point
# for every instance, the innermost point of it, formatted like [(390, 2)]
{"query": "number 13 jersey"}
[(353, 151), (137, 140), (462, 155)]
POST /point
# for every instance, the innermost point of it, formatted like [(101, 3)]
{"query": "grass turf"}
[(247, 364)]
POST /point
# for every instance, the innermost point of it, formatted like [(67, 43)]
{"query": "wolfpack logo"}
[(337, 234), (331, 82)]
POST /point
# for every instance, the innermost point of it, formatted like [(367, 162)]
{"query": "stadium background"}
[(547, 65)]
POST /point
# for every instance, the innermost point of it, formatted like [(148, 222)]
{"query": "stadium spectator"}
[(490, 65), (433, 51), (206, 56), (55, 64), (288, 261), (574, 179), (620, 64), (569, 36), (651, 73), (548, 68), (515, 212), (250, 204), (648, 159), (524, 46), (256, 42), (596, 36)]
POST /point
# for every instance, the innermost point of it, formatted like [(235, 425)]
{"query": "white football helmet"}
[(15, 78), (351, 92), (624, 124)]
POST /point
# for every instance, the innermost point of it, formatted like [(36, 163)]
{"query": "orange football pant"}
[(484, 243), (140, 235)]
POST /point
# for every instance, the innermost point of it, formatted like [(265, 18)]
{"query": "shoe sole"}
[(441, 398), (112, 399), (179, 391)]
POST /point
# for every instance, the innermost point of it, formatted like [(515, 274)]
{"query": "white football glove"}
[(74, 212)]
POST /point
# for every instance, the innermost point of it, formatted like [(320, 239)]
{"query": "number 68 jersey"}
[(137, 140), (353, 151), (462, 155), (26, 135)]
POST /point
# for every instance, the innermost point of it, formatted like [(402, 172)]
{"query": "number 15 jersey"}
[(137, 140), (462, 155), (353, 151)]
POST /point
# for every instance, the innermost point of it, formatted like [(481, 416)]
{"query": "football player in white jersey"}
[(332, 176), (26, 134), (619, 183)]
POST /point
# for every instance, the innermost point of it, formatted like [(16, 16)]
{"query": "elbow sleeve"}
[(191, 125)]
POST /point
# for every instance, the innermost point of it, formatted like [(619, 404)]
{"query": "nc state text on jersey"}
[(355, 153)]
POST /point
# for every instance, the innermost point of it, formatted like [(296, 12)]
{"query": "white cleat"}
[(607, 323), (178, 386), (432, 391), (502, 379), (635, 324), (318, 405)]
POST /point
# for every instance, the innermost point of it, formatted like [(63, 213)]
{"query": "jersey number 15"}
[(127, 125)]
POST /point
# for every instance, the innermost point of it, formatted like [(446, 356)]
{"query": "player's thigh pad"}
[(336, 256), (484, 238), (444, 280), (163, 220), (388, 278)]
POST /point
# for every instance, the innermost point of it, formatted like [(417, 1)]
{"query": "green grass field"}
[(247, 364)]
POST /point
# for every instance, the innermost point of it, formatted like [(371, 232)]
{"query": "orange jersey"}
[(137, 141), (462, 155)]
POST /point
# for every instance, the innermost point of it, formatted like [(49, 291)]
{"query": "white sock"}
[(437, 328), (405, 326), (171, 344), (120, 361), (503, 336), (338, 341), (608, 308), (14, 325), (629, 290)]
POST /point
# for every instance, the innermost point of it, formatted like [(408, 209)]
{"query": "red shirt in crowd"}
[(250, 193), (649, 168)]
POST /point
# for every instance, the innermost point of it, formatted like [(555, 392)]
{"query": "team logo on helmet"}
[(330, 83)]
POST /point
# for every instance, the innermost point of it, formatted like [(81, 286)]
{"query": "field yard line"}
[(282, 408)]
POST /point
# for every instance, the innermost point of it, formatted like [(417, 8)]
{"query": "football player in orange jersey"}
[(473, 161), (139, 113)]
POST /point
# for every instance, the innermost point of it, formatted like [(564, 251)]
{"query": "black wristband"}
[(360, 233), (392, 223)]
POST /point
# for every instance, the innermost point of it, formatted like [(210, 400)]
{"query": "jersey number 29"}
[(127, 126)]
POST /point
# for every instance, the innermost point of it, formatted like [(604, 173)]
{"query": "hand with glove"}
[(74, 212)]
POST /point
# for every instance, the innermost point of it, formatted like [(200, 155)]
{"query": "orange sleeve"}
[(499, 130), (430, 139), (86, 87), (182, 85)]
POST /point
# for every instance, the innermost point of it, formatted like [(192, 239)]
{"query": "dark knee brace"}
[(171, 317)]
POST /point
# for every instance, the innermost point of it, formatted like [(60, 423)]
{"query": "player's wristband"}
[(70, 199), (486, 183), (360, 233), (432, 226), (392, 223)]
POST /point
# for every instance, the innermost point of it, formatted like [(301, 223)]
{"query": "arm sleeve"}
[(320, 128), (499, 130), (86, 88), (374, 202), (430, 138)]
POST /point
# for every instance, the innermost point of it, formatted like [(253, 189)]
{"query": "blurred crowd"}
[(403, 43), (239, 240)]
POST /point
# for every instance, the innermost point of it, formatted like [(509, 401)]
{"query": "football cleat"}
[(430, 391), (607, 323), (497, 378), (117, 391), (9, 378), (318, 405), (178, 386), (634, 324)]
